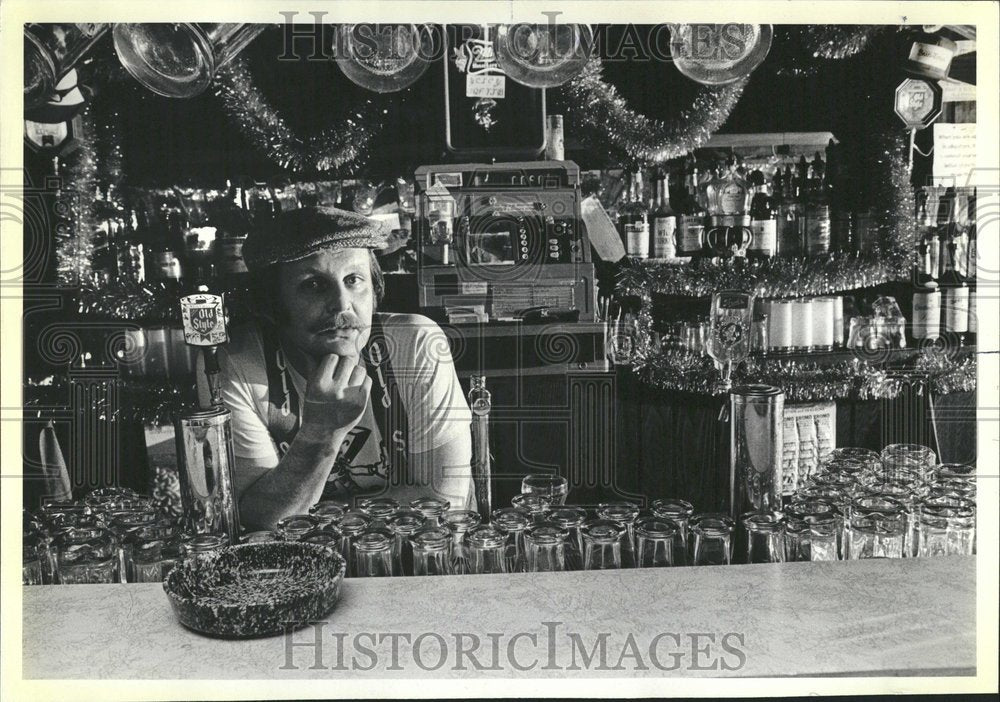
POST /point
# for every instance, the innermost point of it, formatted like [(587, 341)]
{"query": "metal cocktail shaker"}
[(205, 463), (755, 480)]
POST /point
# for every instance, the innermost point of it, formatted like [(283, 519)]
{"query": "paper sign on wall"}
[(954, 153)]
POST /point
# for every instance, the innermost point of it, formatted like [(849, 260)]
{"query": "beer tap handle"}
[(203, 317)]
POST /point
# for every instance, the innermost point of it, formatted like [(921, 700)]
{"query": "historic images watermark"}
[(312, 35), (552, 647)]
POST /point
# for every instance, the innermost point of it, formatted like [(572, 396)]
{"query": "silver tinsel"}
[(331, 149), (607, 123)]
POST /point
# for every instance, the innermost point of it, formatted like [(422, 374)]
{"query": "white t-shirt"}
[(436, 409)]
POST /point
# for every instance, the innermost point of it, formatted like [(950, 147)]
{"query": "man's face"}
[(329, 301)]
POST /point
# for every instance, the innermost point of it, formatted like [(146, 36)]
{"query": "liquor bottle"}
[(955, 298), (691, 223), (633, 221), (960, 225), (481, 403), (727, 193), (664, 221), (926, 317), (762, 219), (816, 240), (944, 228), (970, 266), (789, 237)]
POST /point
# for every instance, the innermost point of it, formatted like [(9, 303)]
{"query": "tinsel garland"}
[(270, 134), (890, 258), (152, 301), (605, 121), (819, 44), (148, 400), (837, 41), (74, 207), (809, 381)]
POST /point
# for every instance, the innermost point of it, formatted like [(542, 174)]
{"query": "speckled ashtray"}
[(256, 589)]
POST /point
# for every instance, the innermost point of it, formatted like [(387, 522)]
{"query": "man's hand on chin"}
[(336, 396)]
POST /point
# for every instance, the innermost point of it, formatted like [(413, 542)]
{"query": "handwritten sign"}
[(485, 85), (954, 152)]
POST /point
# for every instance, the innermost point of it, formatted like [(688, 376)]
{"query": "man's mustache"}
[(344, 320)]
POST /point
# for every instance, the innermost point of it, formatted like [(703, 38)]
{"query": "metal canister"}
[(205, 463), (757, 415), (554, 147)]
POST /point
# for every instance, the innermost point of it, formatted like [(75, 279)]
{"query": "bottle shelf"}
[(771, 278), (843, 374)]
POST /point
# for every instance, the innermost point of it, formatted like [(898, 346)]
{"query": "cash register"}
[(504, 265)]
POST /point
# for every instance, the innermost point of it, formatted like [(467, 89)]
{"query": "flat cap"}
[(293, 235)]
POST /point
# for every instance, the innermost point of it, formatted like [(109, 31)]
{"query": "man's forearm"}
[(294, 485)]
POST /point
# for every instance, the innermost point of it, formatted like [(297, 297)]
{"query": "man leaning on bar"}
[(330, 398)]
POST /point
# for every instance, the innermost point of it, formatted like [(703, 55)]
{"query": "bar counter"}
[(876, 617)]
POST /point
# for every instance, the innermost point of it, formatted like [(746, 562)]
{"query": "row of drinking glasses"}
[(380, 537), (112, 535)]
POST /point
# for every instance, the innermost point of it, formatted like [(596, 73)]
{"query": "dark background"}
[(168, 141)]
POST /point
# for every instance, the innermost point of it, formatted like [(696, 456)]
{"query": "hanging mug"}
[(50, 52), (179, 59)]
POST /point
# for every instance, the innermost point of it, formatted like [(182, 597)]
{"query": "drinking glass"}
[(32, 554), (512, 522), (962, 471), (545, 547), (328, 536), (841, 503), (946, 526), (373, 553), (150, 552), (765, 537), (460, 522), (432, 551), (380, 509), (555, 487), (679, 512), (602, 544), (813, 531), (54, 511), (840, 481), (202, 544), (955, 487), (294, 527), (404, 524), (656, 542), (877, 528), (124, 523), (259, 537), (908, 491), (571, 519), (845, 468), (86, 555), (485, 547), (432, 508), (958, 479), (329, 511), (908, 456), (352, 524), (105, 499), (535, 506), (712, 539), (625, 513), (868, 457)]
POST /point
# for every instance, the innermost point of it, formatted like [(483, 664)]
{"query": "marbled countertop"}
[(879, 617)]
